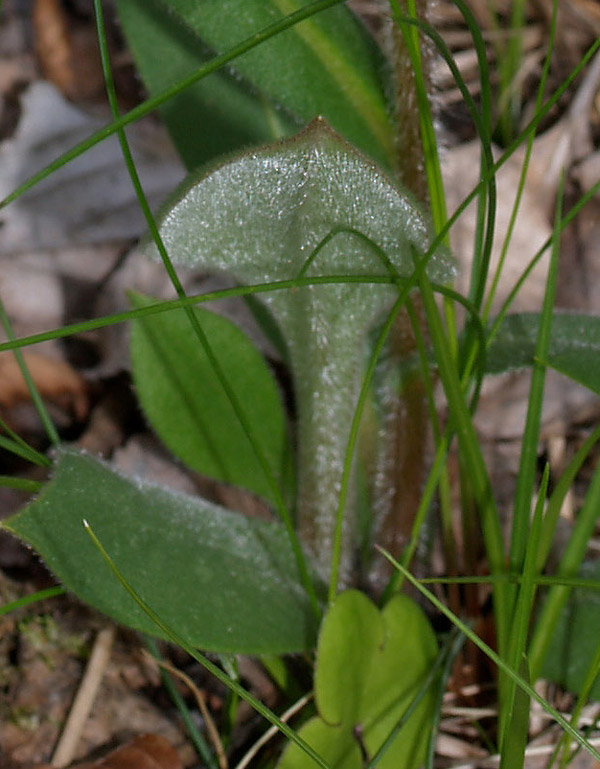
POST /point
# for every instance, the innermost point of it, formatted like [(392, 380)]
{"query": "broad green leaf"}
[(327, 65), (186, 404), (352, 634), (216, 115), (310, 205), (575, 641), (225, 582), (370, 665), (574, 346)]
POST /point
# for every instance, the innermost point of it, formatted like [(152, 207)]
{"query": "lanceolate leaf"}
[(326, 65), (574, 346), (184, 400), (217, 114), (226, 582)]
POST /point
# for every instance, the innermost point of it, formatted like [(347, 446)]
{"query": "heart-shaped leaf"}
[(185, 401), (224, 581), (310, 205), (370, 665)]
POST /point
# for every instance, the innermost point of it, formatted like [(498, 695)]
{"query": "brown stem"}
[(403, 461)]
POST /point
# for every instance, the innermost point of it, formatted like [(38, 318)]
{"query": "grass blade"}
[(41, 595), (527, 465)]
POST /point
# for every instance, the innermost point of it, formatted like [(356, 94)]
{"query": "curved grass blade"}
[(27, 600)]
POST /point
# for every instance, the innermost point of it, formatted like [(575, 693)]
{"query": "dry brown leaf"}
[(147, 751), (532, 227), (68, 53), (54, 379), (91, 199)]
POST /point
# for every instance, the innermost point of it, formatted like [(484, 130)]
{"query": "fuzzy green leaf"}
[(186, 404), (226, 582), (574, 346), (370, 665), (327, 65), (309, 205)]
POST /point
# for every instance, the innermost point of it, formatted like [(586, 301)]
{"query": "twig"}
[(211, 729), (270, 733), (82, 704)]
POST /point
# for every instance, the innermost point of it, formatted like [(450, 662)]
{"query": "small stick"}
[(80, 710), (212, 730), (270, 733)]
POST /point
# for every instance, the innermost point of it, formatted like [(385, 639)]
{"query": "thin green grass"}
[(443, 440), (36, 399), (543, 580), (454, 645), (527, 465), (511, 59), (28, 600), (521, 619), (586, 688), (469, 446), (167, 305), (430, 680), (569, 566), (16, 445), (564, 483), (525, 166), (21, 484), (486, 213)]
